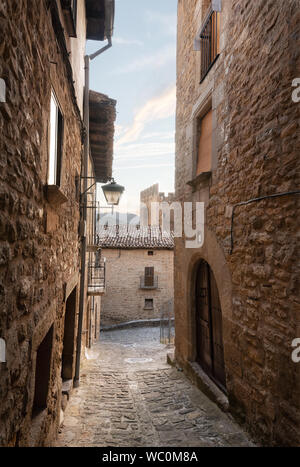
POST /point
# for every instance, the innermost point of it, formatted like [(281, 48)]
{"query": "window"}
[(204, 143), (210, 41), (70, 12), (74, 12), (56, 142), (149, 277), (42, 374), (148, 303), (2, 351), (150, 253)]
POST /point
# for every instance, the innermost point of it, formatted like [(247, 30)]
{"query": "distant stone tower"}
[(150, 216)]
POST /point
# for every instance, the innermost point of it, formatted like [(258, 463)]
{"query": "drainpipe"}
[(109, 8)]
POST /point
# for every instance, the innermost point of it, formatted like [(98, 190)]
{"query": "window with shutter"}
[(149, 277), (205, 143)]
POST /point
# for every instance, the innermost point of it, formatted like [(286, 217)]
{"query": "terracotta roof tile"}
[(131, 237)]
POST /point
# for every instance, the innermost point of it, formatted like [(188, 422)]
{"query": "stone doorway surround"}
[(34, 426), (185, 313)]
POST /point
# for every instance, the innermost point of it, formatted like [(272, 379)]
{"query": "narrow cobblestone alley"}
[(130, 396)]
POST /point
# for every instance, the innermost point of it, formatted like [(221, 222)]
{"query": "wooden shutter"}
[(205, 144), (149, 277)]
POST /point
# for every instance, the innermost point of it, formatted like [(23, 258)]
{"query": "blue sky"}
[(139, 71)]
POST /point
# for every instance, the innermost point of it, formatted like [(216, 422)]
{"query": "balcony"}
[(97, 278), (149, 282)]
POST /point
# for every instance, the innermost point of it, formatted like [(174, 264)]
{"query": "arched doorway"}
[(209, 331), (69, 337)]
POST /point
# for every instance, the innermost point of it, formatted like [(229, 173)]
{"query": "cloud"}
[(145, 166), (157, 108), (159, 135), (122, 41), (161, 58), (119, 130), (168, 23), (145, 150)]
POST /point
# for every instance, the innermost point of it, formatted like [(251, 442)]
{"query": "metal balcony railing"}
[(149, 282), (97, 277)]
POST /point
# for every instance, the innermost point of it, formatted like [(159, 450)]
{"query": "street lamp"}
[(113, 192)]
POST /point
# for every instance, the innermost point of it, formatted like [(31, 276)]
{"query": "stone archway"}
[(186, 261)]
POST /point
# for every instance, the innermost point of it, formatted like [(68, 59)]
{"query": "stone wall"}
[(39, 242), (124, 299), (255, 153)]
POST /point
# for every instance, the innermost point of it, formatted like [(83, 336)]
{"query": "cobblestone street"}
[(129, 396)]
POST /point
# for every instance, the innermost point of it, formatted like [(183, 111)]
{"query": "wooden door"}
[(204, 351), (210, 352)]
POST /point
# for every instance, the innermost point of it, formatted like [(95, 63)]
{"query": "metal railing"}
[(148, 282), (97, 277), (209, 37), (167, 329)]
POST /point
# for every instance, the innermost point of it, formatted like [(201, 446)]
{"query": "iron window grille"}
[(149, 283), (93, 238), (209, 41), (148, 304)]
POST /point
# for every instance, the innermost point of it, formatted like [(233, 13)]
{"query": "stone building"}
[(43, 139), (139, 273), (237, 150), (150, 199)]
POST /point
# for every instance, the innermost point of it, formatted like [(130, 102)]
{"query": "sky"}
[(139, 71)]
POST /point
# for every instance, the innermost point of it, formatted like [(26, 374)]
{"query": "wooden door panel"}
[(210, 354), (203, 320), (204, 346)]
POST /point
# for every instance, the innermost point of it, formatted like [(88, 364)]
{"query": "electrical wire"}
[(253, 200)]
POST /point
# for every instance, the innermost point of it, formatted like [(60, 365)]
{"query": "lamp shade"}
[(112, 192)]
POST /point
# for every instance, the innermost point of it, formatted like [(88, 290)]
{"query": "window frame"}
[(70, 9), (74, 9), (199, 131), (214, 11), (151, 302), (147, 276), (210, 46), (55, 158)]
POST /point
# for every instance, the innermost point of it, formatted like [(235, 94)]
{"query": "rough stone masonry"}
[(39, 243), (255, 153)]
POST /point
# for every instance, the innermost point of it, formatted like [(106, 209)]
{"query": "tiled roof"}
[(132, 237)]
